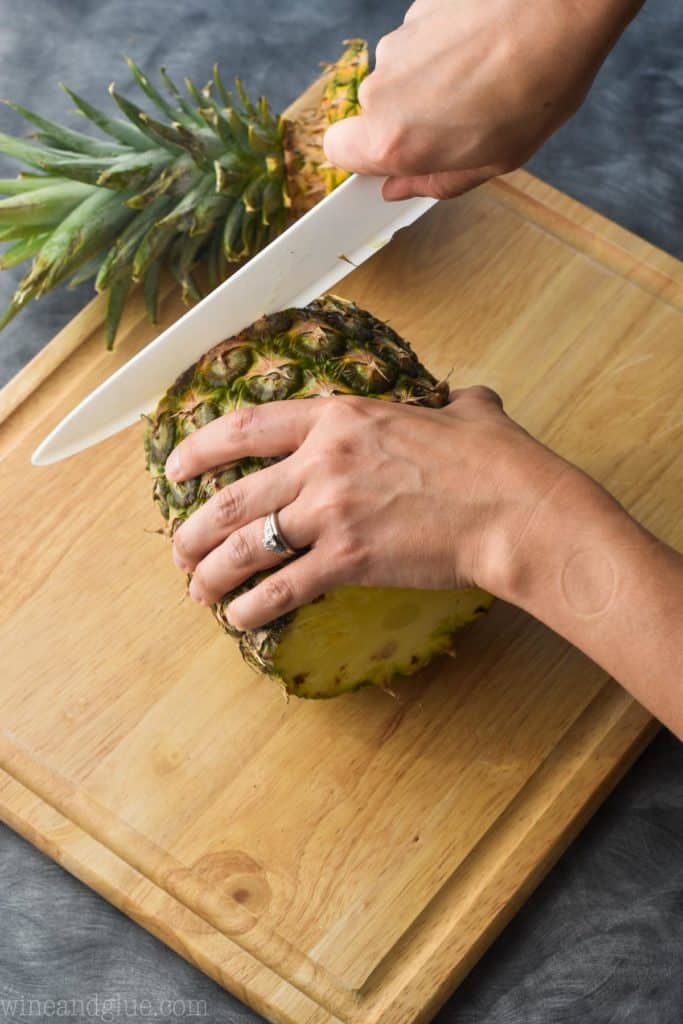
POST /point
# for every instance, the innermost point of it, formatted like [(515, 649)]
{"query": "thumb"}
[(441, 185), (347, 145)]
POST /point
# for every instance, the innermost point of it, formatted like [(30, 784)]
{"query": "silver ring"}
[(273, 539)]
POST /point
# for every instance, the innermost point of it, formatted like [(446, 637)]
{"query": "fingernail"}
[(173, 464), (194, 594), (229, 619), (178, 561)]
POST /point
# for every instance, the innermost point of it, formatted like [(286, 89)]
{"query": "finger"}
[(440, 185), (298, 582), (377, 144), (266, 430), (349, 144), (250, 498), (242, 554)]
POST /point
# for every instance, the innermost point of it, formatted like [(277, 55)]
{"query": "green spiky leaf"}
[(59, 137), (126, 133), (209, 175), (118, 293), (26, 183), (47, 205), (150, 286), (24, 249)]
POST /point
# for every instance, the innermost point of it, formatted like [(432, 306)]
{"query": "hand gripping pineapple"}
[(328, 353), (345, 538)]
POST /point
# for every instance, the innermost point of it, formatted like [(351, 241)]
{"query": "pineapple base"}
[(364, 636)]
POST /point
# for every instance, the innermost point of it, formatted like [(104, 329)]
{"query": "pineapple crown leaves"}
[(206, 175), (155, 192)]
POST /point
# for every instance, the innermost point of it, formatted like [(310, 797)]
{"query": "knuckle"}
[(228, 505), (388, 145), (444, 186), (482, 393), (239, 549), (334, 507), (367, 90), (349, 409), (330, 463), (333, 412), (315, 464), (336, 451), (242, 420), (277, 592), (341, 422), (382, 49), (351, 552), (350, 402)]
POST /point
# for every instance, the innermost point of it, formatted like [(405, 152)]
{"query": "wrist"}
[(604, 20), (563, 553), (571, 552), (544, 507), (584, 567)]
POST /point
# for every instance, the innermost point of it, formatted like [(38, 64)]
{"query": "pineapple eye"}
[(227, 476), (397, 355), (422, 392), (228, 366), (204, 413), (366, 373), (184, 494), (362, 332), (211, 483), (160, 440), (314, 340), (270, 326), (160, 495), (277, 384)]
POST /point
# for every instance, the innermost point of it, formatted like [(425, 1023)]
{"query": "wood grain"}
[(343, 861)]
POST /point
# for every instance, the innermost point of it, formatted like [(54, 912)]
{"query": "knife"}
[(311, 256)]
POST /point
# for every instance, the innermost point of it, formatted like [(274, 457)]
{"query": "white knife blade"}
[(312, 255)]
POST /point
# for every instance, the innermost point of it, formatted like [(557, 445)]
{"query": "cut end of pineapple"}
[(363, 636)]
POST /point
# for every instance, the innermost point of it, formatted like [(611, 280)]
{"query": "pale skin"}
[(383, 494), (466, 90)]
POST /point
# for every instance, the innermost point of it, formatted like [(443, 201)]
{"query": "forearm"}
[(607, 19), (590, 572), (616, 12)]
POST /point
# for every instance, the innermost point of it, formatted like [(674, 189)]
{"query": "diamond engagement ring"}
[(273, 539)]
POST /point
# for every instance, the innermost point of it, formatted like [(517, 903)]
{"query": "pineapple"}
[(352, 636), (217, 178)]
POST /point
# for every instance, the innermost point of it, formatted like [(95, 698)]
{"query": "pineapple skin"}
[(330, 347), (310, 177)]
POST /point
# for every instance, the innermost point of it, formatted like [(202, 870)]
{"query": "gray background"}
[(601, 941)]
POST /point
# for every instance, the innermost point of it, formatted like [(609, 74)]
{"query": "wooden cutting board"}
[(342, 861)]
